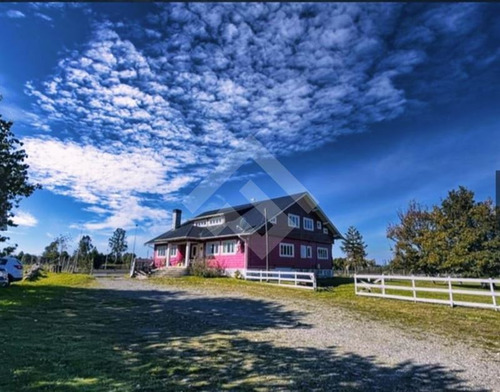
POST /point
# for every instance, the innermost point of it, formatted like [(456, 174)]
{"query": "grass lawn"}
[(62, 333)]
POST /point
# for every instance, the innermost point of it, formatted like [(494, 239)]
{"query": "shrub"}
[(205, 269), (238, 274)]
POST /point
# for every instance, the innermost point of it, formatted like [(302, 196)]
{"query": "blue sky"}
[(124, 109)]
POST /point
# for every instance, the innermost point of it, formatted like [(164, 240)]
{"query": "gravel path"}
[(408, 362)]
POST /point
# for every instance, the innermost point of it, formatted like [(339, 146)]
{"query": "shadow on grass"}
[(68, 339)]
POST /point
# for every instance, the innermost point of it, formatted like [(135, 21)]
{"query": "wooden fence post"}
[(450, 289), (260, 272), (492, 289), (355, 284), (414, 288), (383, 286)]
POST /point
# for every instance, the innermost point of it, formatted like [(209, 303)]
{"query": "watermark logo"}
[(265, 235)]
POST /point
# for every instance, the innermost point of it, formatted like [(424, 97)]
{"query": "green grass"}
[(64, 333)]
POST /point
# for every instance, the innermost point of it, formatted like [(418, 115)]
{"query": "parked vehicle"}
[(4, 278), (12, 267)]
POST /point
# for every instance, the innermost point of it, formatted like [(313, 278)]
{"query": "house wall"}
[(160, 261), (257, 259), (234, 261)]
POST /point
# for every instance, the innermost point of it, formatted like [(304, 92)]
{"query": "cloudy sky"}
[(125, 109)]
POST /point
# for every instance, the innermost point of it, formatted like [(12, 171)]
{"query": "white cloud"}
[(15, 14), (22, 218)]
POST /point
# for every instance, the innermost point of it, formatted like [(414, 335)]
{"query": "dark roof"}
[(248, 218)]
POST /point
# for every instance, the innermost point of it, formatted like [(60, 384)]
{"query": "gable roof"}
[(249, 218)]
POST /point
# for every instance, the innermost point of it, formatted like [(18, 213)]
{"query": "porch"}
[(178, 254)]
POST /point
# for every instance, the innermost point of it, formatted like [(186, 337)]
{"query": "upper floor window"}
[(212, 248), (161, 251), (293, 220), (273, 220), (229, 247), (173, 250), (308, 224), (287, 250), (322, 253), (306, 252), (318, 225), (325, 230), (218, 220), (201, 223)]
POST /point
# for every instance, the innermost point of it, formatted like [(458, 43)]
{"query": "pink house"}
[(298, 236)]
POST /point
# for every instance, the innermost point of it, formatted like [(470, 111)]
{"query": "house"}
[(299, 237)]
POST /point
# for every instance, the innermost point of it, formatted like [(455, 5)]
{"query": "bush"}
[(203, 268), (238, 274)]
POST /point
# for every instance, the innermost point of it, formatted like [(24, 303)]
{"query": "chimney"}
[(176, 218)]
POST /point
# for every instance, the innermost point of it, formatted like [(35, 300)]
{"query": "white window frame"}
[(208, 250), (322, 257), (194, 251), (318, 225), (306, 252), (273, 220), (310, 221), (217, 220), (285, 253), (161, 251), (173, 250), (224, 243), (292, 218), (325, 230)]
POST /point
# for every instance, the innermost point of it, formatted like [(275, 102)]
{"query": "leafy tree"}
[(51, 252), (118, 243), (14, 182), (83, 253), (457, 237), (339, 263), (354, 248), (408, 235)]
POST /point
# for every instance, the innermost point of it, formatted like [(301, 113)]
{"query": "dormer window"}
[(219, 220)]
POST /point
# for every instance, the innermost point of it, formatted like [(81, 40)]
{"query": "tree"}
[(355, 249), (459, 236), (118, 243), (51, 252), (14, 182), (83, 254), (408, 235)]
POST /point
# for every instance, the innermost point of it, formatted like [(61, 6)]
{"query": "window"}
[(212, 248), (306, 252), (293, 220), (322, 253), (308, 224), (318, 225), (173, 250), (325, 230), (286, 250), (229, 247), (194, 250), (219, 220), (161, 251), (201, 223), (273, 220)]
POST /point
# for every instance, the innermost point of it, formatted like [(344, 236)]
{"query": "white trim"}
[(291, 222), (325, 230), (319, 225), (318, 253), (163, 251), (273, 220), (208, 249), (309, 220), (285, 244), (226, 242), (173, 251)]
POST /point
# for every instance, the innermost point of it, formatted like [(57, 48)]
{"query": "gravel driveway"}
[(383, 357)]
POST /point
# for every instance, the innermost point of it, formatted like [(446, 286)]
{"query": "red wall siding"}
[(161, 261), (257, 260), (236, 261)]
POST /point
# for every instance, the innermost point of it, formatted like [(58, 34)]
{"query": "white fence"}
[(364, 284), (302, 280)]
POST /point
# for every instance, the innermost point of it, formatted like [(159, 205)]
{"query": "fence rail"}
[(302, 280), (365, 285)]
